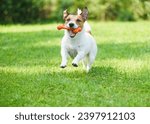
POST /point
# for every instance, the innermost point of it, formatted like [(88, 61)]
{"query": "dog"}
[(79, 46)]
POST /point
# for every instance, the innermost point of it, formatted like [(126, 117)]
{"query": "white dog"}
[(80, 46)]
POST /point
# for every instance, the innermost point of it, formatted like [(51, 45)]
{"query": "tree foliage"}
[(26, 11)]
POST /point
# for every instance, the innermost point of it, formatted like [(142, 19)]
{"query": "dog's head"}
[(75, 21)]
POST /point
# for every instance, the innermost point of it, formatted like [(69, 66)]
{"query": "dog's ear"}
[(79, 11), (65, 14), (84, 13)]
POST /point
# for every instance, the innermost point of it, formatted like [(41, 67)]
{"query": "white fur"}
[(81, 47), (79, 11)]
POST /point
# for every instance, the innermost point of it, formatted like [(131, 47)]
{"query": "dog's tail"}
[(87, 27)]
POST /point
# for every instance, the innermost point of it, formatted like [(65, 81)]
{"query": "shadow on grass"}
[(22, 39), (123, 50), (95, 73), (29, 48)]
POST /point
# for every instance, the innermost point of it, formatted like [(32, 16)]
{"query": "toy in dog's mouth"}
[(71, 33)]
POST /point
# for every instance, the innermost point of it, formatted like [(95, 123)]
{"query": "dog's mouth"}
[(72, 35)]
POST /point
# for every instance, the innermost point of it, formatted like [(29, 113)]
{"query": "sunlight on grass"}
[(126, 65), (24, 70), (121, 32), (48, 43), (27, 28), (130, 65), (38, 69)]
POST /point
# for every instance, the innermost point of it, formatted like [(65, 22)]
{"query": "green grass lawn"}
[(30, 73)]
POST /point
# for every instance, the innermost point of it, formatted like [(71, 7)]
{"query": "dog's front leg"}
[(79, 56), (64, 56)]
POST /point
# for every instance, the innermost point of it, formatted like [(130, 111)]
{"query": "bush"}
[(27, 11), (23, 11), (123, 10)]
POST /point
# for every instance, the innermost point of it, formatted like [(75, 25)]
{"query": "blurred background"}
[(35, 11)]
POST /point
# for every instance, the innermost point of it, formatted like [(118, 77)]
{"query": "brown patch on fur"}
[(77, 18), (65, 14), (84, 13)]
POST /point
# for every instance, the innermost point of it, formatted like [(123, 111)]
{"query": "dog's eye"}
[(68, 19), (78, 20)]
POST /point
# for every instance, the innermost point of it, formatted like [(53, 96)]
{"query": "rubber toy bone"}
[(74, 30)]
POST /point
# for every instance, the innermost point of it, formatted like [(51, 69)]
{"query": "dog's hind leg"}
[(84, 62), (89, 64), (88, 67), (90, 61)]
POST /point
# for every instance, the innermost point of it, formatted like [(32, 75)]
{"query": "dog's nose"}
[(71, 25)]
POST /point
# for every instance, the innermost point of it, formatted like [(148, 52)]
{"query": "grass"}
[(30, 73)]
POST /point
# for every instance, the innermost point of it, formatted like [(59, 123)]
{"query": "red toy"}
[(74, 30)]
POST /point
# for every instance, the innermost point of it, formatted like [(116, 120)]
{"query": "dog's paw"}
[(63, 66), (74, 64)]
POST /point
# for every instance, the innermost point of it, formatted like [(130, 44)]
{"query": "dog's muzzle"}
[(72, 35), (72, 25)]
